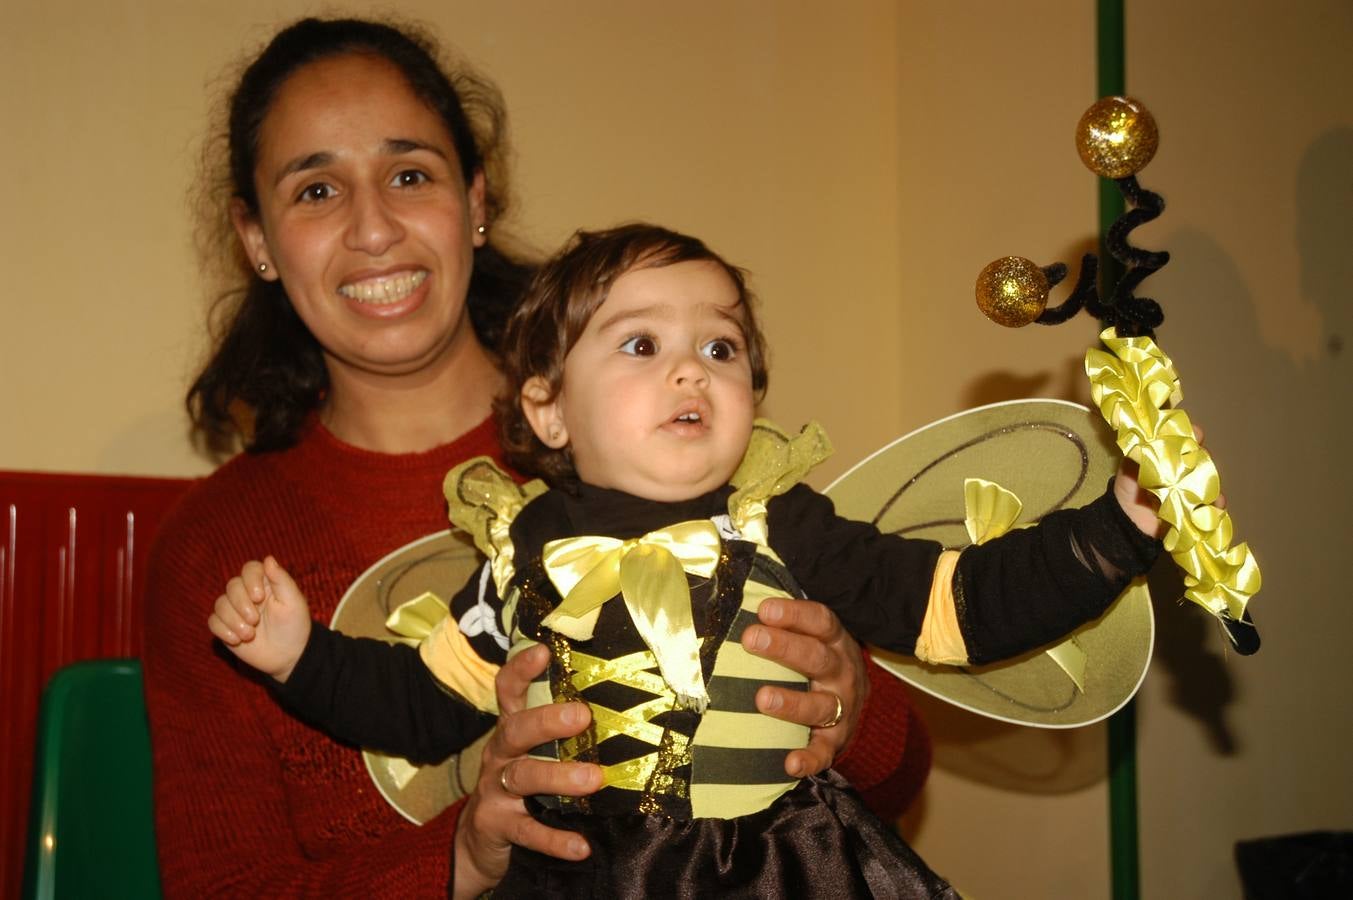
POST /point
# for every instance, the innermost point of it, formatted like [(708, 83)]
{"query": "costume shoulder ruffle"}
[(773, 464), (483, 500)]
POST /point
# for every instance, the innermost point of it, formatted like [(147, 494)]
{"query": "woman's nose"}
[(373, 227)]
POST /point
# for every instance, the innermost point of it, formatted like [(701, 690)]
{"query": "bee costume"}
[(643, 605)]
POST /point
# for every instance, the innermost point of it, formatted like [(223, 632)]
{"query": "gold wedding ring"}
[(835, 719)]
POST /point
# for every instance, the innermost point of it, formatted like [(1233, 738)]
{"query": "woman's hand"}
[(808, 638), (494, 817)]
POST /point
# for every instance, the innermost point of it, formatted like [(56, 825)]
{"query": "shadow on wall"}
[(1275, 426), (1063, 382)]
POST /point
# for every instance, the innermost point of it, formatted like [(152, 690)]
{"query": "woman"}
[(356, 366)]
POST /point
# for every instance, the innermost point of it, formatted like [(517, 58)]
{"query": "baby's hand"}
[(1140, 504), (263, 618)]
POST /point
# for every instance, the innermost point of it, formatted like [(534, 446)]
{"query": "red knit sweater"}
[(251, 802)]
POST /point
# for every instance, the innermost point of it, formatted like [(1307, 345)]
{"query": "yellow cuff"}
[(453, 662), (940, 641)]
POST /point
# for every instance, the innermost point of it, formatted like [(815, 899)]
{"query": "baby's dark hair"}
[(562, 298)]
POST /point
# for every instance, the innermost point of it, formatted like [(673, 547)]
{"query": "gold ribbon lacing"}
[(631, 670), (1131, 386), (989, 512), (650, 574)]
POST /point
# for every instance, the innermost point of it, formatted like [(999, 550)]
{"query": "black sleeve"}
[(379, 696), (1012, 594), (877, 584), (1035, 585)]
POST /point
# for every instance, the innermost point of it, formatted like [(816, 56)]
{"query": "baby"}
[(634, 368)]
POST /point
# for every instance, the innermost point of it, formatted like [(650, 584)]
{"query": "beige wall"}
[(1256, 160), (864, 164)]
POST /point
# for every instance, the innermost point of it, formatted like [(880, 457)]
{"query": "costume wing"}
[(413, 582), (1049, 454)]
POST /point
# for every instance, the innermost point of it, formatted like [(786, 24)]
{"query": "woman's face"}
[(365, 217)]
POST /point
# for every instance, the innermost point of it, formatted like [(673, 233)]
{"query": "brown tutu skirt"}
[(817, 841)]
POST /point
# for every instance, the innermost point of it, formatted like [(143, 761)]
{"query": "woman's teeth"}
[(383, 290), (689, 417)]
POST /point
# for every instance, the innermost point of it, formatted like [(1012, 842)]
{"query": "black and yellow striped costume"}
[(696, 800)]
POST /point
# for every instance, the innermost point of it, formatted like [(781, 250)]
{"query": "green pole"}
[(1123, 829)]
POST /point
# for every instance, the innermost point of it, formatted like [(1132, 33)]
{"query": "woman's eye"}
[(640, 346), (314, 193), (411, 178), (721, 349)]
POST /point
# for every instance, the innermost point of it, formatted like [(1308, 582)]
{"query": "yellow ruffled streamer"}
[(650, 574), (989, 512), (1131, 386)]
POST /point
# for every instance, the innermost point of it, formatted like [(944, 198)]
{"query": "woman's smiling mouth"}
[(385, 289)]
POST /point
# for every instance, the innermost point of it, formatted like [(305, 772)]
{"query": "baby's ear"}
[(545, 411)]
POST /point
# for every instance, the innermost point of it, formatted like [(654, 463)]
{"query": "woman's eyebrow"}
[(390, 147), (397, 146), (301, 163)]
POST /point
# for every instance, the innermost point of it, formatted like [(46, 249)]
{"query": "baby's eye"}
[(640, 345), (411, 178), (721, 349), (315, 193)]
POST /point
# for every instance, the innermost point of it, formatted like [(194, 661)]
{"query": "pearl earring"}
[(262, 268)]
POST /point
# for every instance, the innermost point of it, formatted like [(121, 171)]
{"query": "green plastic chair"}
[(91, 830)]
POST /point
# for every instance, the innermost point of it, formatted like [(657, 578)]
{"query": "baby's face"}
[(657, 395)]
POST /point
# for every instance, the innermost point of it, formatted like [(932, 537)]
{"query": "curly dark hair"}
[(562, 298), (265, 371)]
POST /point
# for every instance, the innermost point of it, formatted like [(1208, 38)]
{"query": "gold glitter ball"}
[(1116, 137), (1012, 291)]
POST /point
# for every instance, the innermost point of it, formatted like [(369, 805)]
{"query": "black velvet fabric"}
[(818, 842)]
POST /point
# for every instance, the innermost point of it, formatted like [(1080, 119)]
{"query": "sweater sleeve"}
[(888, 759), (224, 826), (378, 695)]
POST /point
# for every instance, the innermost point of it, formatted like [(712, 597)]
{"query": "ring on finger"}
[(836, 718), (502, 779)]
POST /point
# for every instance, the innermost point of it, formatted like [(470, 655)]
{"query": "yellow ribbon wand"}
[(1132, 381)]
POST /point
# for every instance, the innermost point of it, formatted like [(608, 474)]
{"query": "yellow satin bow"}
[(990, 511), (650, 573), (413, 620)]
